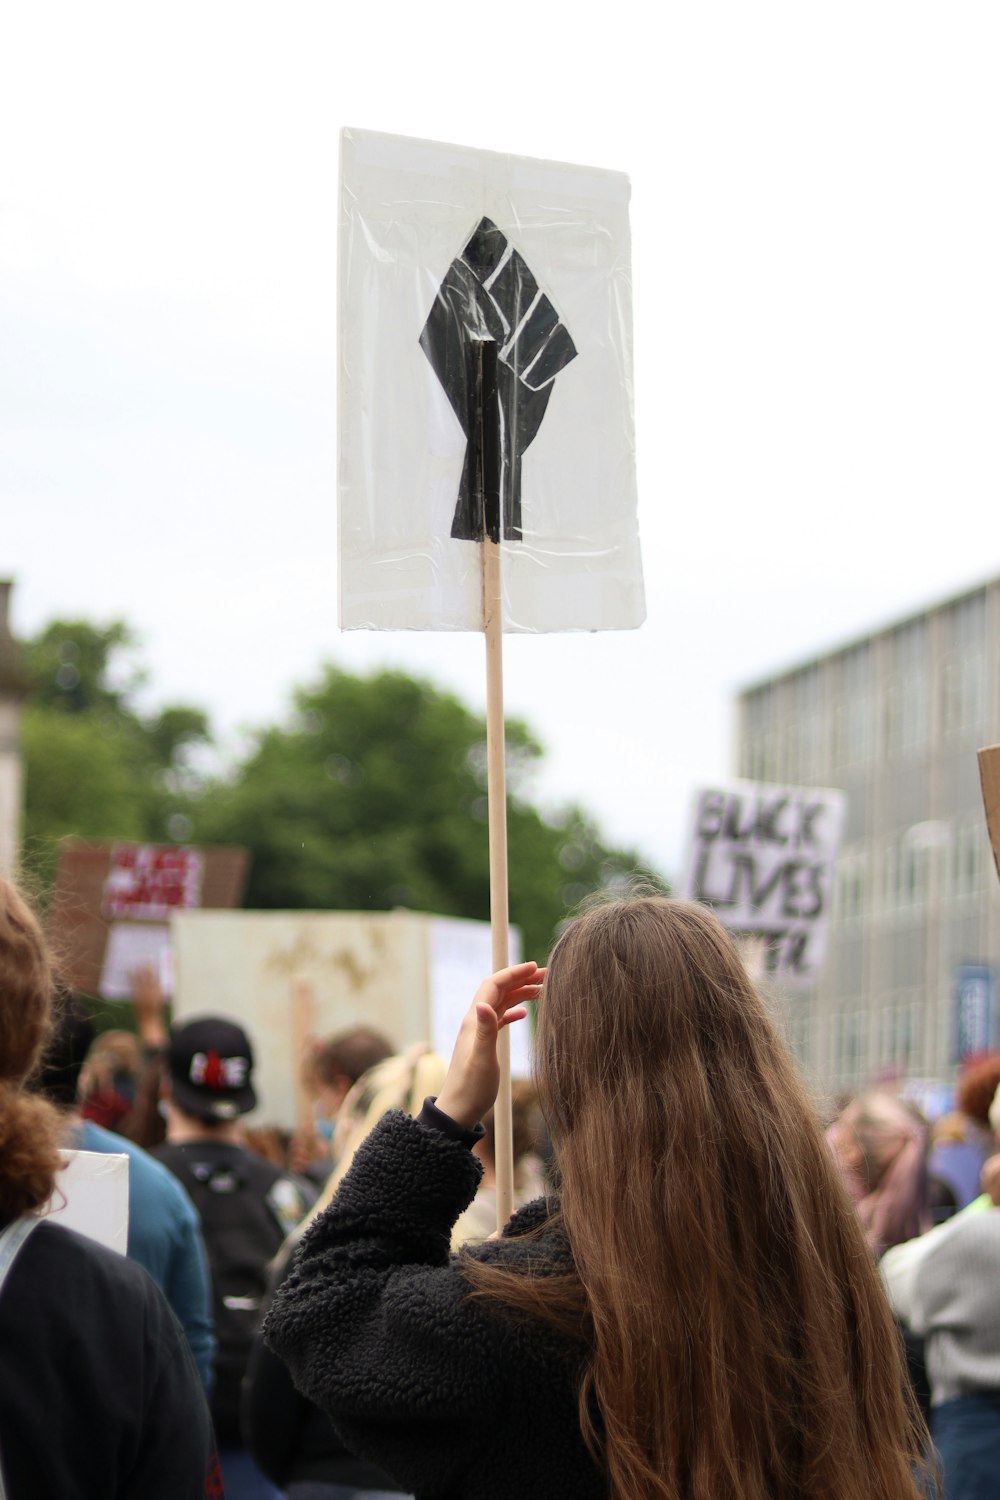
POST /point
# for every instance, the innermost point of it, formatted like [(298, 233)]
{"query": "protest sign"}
[(762, 857), (148, 882), (441, 248), (487, 465), (113, 900)]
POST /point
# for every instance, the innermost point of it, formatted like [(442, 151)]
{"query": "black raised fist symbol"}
[(489, 295)]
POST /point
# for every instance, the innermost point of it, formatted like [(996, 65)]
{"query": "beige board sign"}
[(286, 976)]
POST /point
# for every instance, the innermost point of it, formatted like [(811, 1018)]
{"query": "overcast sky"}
[(816, 240)]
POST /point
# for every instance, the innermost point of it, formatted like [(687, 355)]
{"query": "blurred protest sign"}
[(443, 248), (989, 776), (290, 976), (113, 901), (762, 857)]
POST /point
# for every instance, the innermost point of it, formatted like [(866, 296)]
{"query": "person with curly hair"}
[(99, 1396)]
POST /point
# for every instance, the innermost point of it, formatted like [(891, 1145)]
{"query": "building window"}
[(799, 1035), (963, 693), (906, 715), (853, 720), (908, 1036), (969, 851), (848, 1046), (907, 704), (891, 877), (851, 886)]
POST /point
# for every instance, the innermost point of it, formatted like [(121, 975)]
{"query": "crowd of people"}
[(706, 1290)]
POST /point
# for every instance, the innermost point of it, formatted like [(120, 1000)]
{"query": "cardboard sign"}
[(989, 776), (444, 251), (113, 900), (762, 857)]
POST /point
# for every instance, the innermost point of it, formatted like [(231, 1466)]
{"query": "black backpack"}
[(247, 1206)]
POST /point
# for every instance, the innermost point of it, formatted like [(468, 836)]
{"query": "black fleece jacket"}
[(456, 1397)]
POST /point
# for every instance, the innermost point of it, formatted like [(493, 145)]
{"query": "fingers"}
[(509, 986), (489, 1023)]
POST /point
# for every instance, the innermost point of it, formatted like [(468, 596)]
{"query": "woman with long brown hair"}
[(697, 1317)]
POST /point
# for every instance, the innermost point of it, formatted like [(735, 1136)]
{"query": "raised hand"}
[(150, 1005), (473, 1077)]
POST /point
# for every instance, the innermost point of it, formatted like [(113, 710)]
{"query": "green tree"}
[(80, 667), (79, 779), (374, 796), (94, 765)]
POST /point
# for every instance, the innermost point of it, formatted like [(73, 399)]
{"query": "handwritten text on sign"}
[(148, 882), (762, 857)]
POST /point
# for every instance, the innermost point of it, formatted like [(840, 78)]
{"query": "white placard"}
[(91, 1196), (461, 957), (536, 256), (131, 946), (762, 857)]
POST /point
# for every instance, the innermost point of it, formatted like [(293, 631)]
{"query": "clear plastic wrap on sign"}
[(485, 350)]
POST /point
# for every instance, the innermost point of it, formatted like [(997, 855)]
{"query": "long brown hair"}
[(739, 1341), (29, 1126)]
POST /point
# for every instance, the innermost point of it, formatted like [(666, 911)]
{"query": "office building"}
[(913, 956)]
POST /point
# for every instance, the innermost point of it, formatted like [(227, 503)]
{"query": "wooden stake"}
[(496, 788), (491, 481), (303, 1029)]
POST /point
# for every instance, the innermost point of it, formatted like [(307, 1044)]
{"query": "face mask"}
[(324, 1128)]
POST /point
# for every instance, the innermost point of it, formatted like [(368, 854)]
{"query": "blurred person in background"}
[(330, 1070), (696, 1318), (247, 1206), (164, 1231), (145, 1122), (99, 1396), (879, 1143), (109, 1078), (945, 1289), (962, 1139)]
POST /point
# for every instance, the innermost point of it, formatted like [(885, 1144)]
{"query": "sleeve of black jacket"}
[(373, 1282), (378, 1327)]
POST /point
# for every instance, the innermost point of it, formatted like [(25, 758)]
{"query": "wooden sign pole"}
[(491, 478), (496, 788), (303, 1028)]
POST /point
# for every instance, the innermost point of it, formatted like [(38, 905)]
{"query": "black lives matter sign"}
[(762, 857)]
